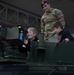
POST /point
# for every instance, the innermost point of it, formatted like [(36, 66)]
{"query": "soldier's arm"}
[(42, 26), (60, 16), (52, 33)]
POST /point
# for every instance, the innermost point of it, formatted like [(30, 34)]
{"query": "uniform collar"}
[(49, 11)]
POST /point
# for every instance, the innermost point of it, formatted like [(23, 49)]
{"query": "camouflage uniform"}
[(48, 19)]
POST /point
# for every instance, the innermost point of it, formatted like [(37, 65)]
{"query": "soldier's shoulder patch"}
[(58, 12), (61, 14)]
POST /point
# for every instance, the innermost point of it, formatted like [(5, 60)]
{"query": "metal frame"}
[(13, 16)]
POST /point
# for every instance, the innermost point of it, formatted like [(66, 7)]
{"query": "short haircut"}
[(34, 30), (57, 24)]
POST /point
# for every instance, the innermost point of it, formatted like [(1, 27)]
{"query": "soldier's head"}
[(45, 5), (57, 27)]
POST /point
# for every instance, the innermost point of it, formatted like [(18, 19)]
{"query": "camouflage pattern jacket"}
[(48, 19)]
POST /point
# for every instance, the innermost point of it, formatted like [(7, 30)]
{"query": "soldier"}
[(50, 16)]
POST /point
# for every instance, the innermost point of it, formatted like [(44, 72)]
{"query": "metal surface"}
[(45, 58)]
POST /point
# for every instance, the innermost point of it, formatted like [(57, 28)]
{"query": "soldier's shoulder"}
[(55, 9), (43, 15)]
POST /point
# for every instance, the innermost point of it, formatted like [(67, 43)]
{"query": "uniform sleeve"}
[(42, 26), (60, 17), (52, 33)]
